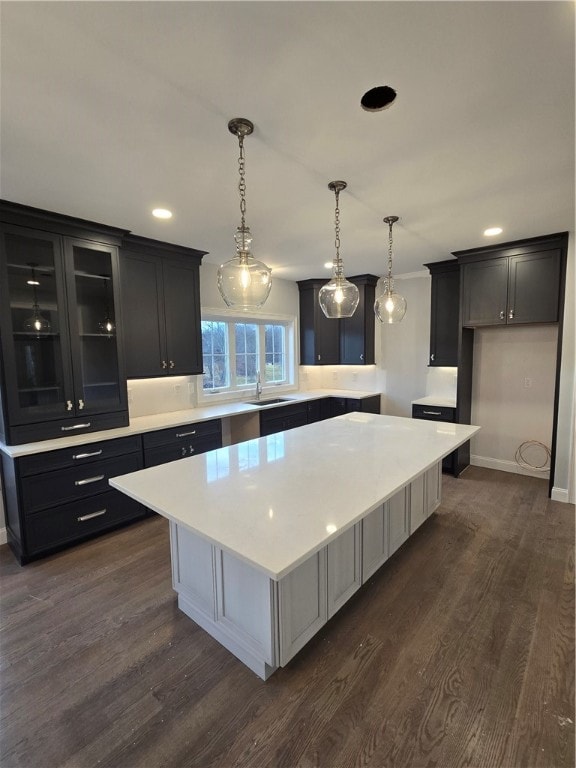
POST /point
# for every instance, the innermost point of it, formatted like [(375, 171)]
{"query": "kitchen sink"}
[(270, 402)]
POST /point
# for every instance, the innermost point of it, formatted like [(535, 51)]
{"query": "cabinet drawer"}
[(180, 449), (77, 456), (434, 413), (65, 485), (189, 432), (48, 430), (70, 522)]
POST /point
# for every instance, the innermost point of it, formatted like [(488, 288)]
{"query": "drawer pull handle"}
[(433, 413), (91, 515), (172, 364), (89, 480), (75, 426), (87, 455), (511, 314), (185, 434), (502, 314)]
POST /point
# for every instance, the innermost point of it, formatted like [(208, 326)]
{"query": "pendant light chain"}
[(242, 182), (389, 250), (338, 260)]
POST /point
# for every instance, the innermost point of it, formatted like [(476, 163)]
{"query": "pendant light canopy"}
[(243, 282), (339, 297), (390, 307)]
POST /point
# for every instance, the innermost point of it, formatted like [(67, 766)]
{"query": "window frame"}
[(235, 391)]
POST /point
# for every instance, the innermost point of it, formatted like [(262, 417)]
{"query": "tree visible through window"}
[(234, 353)]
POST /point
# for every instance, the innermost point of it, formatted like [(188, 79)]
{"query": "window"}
[(235, 351)]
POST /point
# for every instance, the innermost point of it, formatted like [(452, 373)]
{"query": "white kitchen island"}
[(270, 537)]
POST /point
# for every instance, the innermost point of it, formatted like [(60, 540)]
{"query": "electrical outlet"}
[(527, 383), (177, 388)]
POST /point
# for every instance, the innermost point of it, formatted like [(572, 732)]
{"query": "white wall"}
[(513, 382)]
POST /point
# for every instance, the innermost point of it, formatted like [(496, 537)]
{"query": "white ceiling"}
[(110, 109)]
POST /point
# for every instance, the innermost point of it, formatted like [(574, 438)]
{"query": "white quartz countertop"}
[(441, 402), (141, 424), (276, 500)]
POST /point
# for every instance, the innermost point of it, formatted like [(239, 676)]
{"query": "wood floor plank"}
[(458, 652)]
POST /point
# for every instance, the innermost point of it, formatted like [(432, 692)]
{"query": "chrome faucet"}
[(258, 386)]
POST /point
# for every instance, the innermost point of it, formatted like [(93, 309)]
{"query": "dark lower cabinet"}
[(341, 405), (176, 443), (273, 420), (439, 413), (58, 498), (285, 417)]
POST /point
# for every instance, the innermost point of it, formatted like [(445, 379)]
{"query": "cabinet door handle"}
[(511, 314), (89, 480), (164, 364), (191, 449), (432, 358), (69, 405), (183, 451), (185, 434), (91, 515), (432, 413), (87, 455), (75, 426), (502, 315), (80, 405), (319, 357), (361, 357), (172, 363)]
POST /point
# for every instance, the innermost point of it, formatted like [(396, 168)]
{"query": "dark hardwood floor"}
[(458, 652)]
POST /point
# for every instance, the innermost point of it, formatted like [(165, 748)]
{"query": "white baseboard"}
[(560, 494), (3, 536), (507, 466)]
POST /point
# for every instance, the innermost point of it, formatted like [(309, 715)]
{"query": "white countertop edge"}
[(141, 424)]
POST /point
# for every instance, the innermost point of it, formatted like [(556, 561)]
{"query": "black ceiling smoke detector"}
[(377, 99)]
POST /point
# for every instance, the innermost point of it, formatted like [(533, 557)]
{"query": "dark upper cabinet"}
[(319, 335), (161, 301), (357, 332), (513, 283), (349, 341), (444, 312), (60, 326)]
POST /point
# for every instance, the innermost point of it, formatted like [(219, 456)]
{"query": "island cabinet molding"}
[(161, 298), (261, 558), (513, 283), (265, 622), (62, 365)]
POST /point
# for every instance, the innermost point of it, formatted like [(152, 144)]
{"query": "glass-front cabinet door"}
[(93, 300), (35, 334)]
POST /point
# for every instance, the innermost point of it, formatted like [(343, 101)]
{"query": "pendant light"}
[(339, 297), (243, 282), (36, 323), (390, 307)]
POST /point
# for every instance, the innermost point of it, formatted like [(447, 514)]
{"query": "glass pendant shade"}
[(244, 282), (339, 298), (389, 306), (36, 323)]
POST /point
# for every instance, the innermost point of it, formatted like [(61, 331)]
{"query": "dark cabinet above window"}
[(161, 300), (513, 283), (325, 341)]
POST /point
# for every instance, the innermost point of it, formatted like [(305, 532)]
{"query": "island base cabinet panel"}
[(418, 510), (344, 571), (245, 605), (193, 569), (433, 488), (303, 605), (398, 520), (374, 541)]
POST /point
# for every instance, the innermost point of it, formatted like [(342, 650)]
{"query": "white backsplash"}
[(441, 382), (147, 397), (358, 378)]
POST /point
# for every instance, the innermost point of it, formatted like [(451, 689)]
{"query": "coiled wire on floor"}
[(521, 460)]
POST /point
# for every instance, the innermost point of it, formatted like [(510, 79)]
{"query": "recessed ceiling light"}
[(328, 265), (377, 99), (491, 231), (162, 213)]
